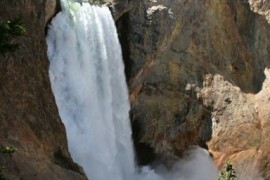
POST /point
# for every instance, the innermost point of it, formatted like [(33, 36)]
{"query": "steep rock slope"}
[(29, 119), (198, 72)]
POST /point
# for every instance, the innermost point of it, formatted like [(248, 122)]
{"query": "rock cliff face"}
[(198, 72), (29, 119)]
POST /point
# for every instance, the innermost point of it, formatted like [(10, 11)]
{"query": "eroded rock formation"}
[(198, 73)]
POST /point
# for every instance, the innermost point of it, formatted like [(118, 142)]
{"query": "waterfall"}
[(88, 82), (87, 77)]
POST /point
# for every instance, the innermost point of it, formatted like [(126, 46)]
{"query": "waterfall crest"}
[(88, 81)]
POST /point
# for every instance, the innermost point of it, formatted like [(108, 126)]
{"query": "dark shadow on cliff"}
[(164, 138), (123, 33), (66, 162), (246, 22), (145, 154)]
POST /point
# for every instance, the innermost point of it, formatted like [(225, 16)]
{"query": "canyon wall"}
[(198, 72), (29, 118)]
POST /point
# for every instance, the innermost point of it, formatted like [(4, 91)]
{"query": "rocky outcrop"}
[(29, 118), (51, 8), (261, 7), (198, 73)]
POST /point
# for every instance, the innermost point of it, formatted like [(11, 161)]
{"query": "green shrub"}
[(227, 172), (8, 31)]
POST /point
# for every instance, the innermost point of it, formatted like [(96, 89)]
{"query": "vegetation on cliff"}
[(228, 172), (5, 152), (8, 31)]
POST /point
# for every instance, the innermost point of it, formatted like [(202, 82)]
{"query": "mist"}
[(196, 164)]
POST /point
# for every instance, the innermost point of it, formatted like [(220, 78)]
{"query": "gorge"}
[(197, 73)]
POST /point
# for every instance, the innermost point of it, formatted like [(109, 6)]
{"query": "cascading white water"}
[(88, 82)]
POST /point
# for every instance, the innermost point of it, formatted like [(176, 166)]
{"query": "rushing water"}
[(88, 82)]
